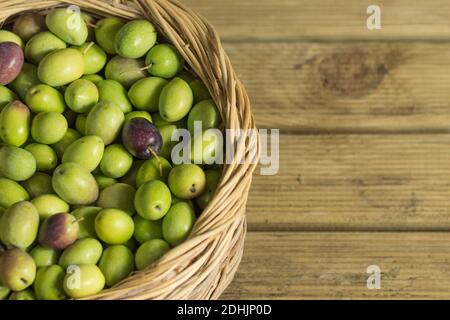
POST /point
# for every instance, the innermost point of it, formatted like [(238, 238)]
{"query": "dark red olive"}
[(11, 62), (141, 138)]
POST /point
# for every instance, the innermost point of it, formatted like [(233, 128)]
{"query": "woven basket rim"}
[(204, 265)]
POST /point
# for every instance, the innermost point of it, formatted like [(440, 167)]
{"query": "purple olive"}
[(141, 138), (59, 231), (11, 62)]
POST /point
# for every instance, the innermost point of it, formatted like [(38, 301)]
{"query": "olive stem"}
[(88, 47), (78, 220), (147, 67), (157, 159), (91, 25)]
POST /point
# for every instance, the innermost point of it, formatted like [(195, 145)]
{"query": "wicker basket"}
[(204, 265)]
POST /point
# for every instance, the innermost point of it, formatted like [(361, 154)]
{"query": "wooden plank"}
[(347, 87), (355, 182), (325, 19), (333, 265)]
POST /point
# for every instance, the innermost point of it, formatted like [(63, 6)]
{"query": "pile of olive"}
[(87, 185)]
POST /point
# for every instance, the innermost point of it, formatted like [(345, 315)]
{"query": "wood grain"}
[(365, 117), (324, 19), (355, 182), (333, 265), (393, 87)]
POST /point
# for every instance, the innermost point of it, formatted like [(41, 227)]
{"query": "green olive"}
[(153, 200), (70, 137), (135, 39), (6, 96), (138, 114), (149, 171), (29, 24), (80, 124), (17, 279), (46, 158), (205, 112), (48, 127), (164, 61), (116, 161), (178, 223), (43, 256), (43, 98), (84, 280), (166, 134), (105, 33), (42, 44), (19, 225), (17, 164), (200, 91), (49, 204), (114, 226), (15, 123), (212, 180), (74, 184), (94, 57), (83, 251), (150, 252), (40, 183), (125, 71), (81, 95), (187, 181), (105, 120), (4, 292), (117, 263), (113, 91), (145, 230), (104, 181), (68, 25), (176, 100), (8, 36), (24, 295), (94, 78), (145, 93), (12, 192), (86, 220), (86, 151), (49, 283), (61, 67), (26, 79), (120, 196)]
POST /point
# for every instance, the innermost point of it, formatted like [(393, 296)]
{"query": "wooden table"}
[(365, 148)]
